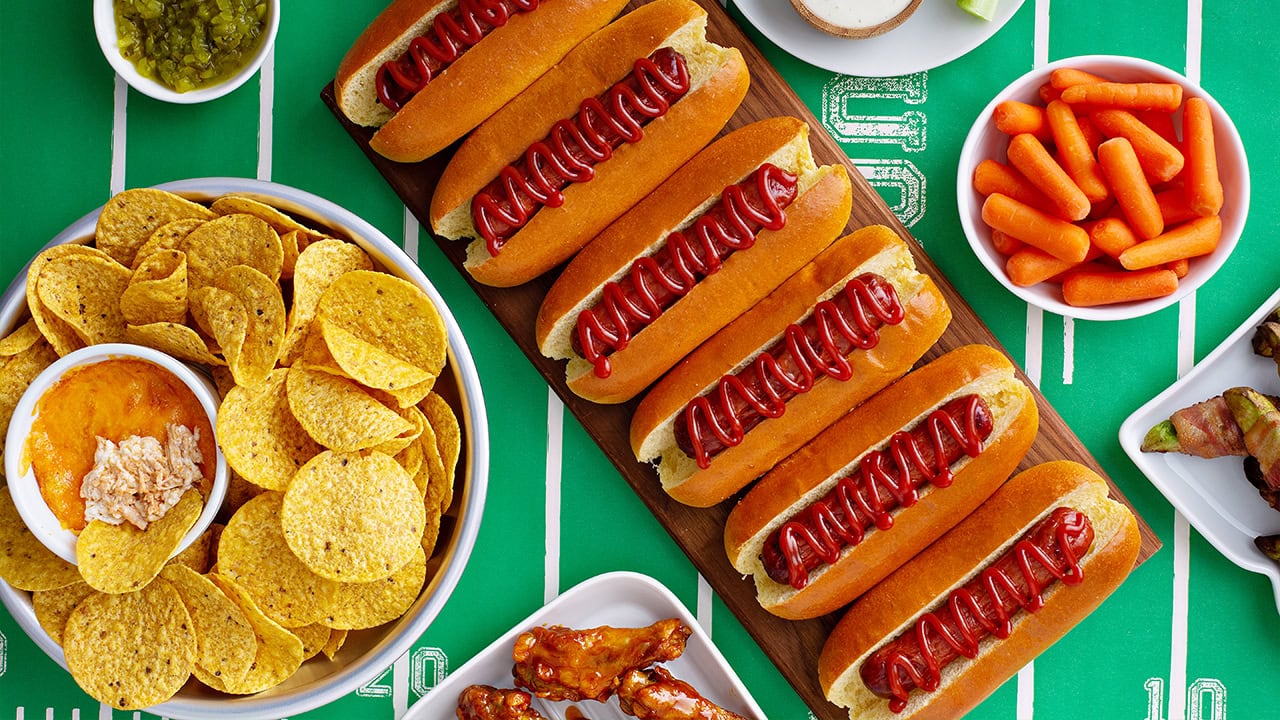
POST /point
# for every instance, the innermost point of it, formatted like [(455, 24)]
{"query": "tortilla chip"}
[(84, 292), (353, 517), (22, 338), (131, 650), (279, 652), (366, 605), (317, 266), (259, 436), (25, 562), (166, 237), (53, 607), (337, 639), (264, 312), (157, 291), (339, 414), (121, 558), (226, 644), (18, 372), (314, 637), (253, 552), (173, 339), (129, 218), (383, 331), (58, 332), (231, 240)]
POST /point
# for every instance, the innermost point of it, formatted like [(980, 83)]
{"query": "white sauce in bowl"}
[(856, 13)]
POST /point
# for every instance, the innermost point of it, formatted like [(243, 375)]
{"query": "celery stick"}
[(985, 9)]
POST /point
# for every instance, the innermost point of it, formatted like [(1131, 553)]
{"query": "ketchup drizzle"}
[(656, 282), (575, 145), (816, 347), (1050, 552), (451, 33), (884, 482)]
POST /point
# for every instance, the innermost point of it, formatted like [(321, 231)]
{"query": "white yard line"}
[(555, 464)]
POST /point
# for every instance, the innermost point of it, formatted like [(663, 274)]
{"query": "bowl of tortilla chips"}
[(350, 418)]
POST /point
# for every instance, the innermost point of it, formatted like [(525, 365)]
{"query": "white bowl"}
[(367, 653), (22, 478), (104, 23), (985, 141)]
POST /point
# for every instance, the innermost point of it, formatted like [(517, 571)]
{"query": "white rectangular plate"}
[(1214, 495), (619, 599)]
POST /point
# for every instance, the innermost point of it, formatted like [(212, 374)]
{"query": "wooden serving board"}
[(792, 646)]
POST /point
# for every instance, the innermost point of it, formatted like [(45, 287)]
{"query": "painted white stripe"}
[(410, 241), (1033, 364), (1181, 528), (104, 712), (555, 460), (704, 610), (1034, 361), (266, 106), (1068, 350), (119, 128), (400, 686), (20, 713)]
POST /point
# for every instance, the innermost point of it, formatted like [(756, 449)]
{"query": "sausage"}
[(575, 145), (1049, 552), (655, 282), (809, 350), (883, 481)]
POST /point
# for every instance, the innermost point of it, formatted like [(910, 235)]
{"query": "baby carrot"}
[(1048, 93), (1113, 236), (992, 176), (1013, 117), (1074, 153), (1057, 237), (1092, 286), (1090, 131), (1064, 77), (1160, 160), (1130, 96), (1174, 207), (1190, 239), (1004, 243), (1180, 267), (1203, 186), (1162, 123), (1029, 156), (1133, 194), (1032, 266)]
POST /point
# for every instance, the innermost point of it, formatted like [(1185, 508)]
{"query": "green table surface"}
[(1188, 635)]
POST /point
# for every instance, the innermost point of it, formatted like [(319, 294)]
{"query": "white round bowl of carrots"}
[(1103, 187)]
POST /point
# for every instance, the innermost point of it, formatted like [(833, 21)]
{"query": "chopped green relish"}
[(187, 44)]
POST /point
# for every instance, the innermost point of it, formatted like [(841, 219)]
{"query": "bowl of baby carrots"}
[(1103, 187)]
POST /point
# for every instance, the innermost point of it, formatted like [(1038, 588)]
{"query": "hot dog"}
[(586, 141), (425, 72), (854, 319), (1032, 561), (882, 482), (706, 245)]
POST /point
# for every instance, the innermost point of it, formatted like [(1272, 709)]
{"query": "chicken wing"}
[(653, 694), (484, 702), (560, 663)]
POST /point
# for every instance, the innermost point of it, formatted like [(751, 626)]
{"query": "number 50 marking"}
[(1196, 693)]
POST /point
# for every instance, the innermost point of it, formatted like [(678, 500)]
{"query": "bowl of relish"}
[(186, 51)]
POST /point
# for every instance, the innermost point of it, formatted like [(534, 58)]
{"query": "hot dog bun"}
[(812, 220), (483, 78), (875, 249), (894, 605), (815, 470), (718, 82)]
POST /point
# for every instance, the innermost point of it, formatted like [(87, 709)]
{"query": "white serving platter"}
[(619, 599), (1213, 494)]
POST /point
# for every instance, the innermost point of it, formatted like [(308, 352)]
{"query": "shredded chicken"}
[(139, 480)]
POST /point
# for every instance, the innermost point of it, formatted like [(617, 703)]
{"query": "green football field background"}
[(1137, 657)]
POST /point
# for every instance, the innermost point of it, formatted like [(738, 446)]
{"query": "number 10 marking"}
[(1196, 692)]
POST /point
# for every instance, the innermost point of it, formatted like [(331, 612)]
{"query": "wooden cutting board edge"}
[(792, 646)]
